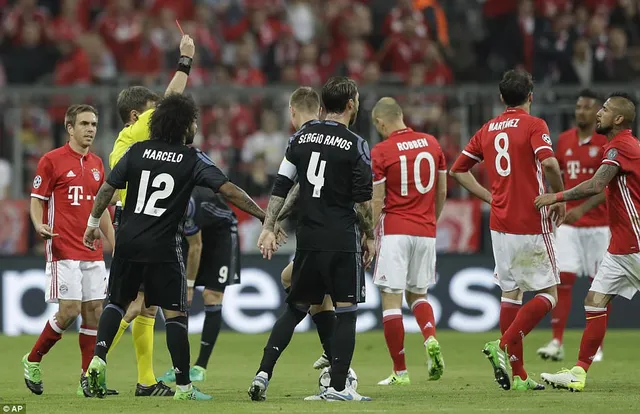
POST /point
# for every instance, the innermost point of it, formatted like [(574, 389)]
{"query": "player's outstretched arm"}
[(179, 81), (591, 187), (239, 198)]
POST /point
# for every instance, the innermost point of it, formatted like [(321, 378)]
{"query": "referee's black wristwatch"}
[(184, 64)]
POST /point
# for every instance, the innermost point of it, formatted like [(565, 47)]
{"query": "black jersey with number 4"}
[(159, 178), (333, 166)]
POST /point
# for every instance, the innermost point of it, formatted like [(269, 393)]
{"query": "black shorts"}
[(165, 284), (316, 274), (220, 261)]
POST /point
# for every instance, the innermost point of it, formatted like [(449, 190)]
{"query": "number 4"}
[(315, 173)]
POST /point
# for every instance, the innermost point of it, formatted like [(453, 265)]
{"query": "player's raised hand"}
[(545, 200), (187, 46), (268, 244), (91, 237), (45, 232)]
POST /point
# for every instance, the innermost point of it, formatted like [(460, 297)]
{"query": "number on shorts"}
[(501, 144), (404, 182), (223, 274), (150, 208), (315, 173)]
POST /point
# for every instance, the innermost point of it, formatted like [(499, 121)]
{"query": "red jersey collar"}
[(624, 133), (73, 153), (400, 132), (511, 110), (586, 141)]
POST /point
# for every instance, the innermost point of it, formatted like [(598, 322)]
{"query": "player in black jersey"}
[(160, 175), (213, 262), (333, 168), (304, 106)]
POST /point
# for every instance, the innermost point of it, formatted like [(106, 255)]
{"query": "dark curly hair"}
[(172, 119)]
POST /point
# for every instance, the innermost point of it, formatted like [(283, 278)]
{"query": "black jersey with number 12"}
[(333, 166), (159, 178)]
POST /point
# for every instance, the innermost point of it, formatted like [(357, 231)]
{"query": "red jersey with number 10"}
[(408, 162), (513, 145), (623, 193), (68, 182)]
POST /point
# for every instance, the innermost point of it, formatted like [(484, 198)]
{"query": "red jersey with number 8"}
[(408, 162), (513, 146)]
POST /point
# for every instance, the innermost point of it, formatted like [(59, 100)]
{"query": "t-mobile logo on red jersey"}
[(573, 168), (76, 194)]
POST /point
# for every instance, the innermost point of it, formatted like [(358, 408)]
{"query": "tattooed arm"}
[(273, 211), (594, 185), (102, 200), (289, 202), (591, 187), (239, 198), (365, 218)]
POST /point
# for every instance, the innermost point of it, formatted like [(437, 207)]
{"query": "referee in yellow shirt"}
[(135, 106)]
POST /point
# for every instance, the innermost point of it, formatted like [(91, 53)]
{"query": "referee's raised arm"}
[(179, 81)]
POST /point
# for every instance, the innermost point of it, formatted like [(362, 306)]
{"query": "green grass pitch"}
[(466, 387)]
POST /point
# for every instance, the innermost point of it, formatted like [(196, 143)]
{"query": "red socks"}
[(593, 335), (509, 309), (527, 318), (560, 314), (423, 312), (394, 335), (87, 341), (51, 334)]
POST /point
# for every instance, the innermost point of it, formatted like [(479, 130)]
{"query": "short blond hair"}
[(305, 99)]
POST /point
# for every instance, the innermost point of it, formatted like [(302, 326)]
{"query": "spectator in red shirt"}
[(400, 50), (356, 61), (31, 61), (144, 60), (309, 73), (182, 9), (437, 70), (68, 24), (399, 15), (25, 11), (120, 25), (245, 73)]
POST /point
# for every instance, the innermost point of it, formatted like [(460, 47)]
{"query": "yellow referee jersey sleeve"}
[(129, 135)]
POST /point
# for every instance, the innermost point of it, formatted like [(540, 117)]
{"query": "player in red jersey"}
[(518, 154), (618, 273), (409, 190), (66, 181), (583, 238)]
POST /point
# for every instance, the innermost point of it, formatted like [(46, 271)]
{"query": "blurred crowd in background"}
[(407, 43)]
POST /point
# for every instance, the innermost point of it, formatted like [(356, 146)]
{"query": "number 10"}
[(404, 182)]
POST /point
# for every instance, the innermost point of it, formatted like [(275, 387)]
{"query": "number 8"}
[(502, 153)]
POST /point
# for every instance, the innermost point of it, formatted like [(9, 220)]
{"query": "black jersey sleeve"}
[(362, 173), (287, 173), (190, 225), (206, 173), (118, 176)]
